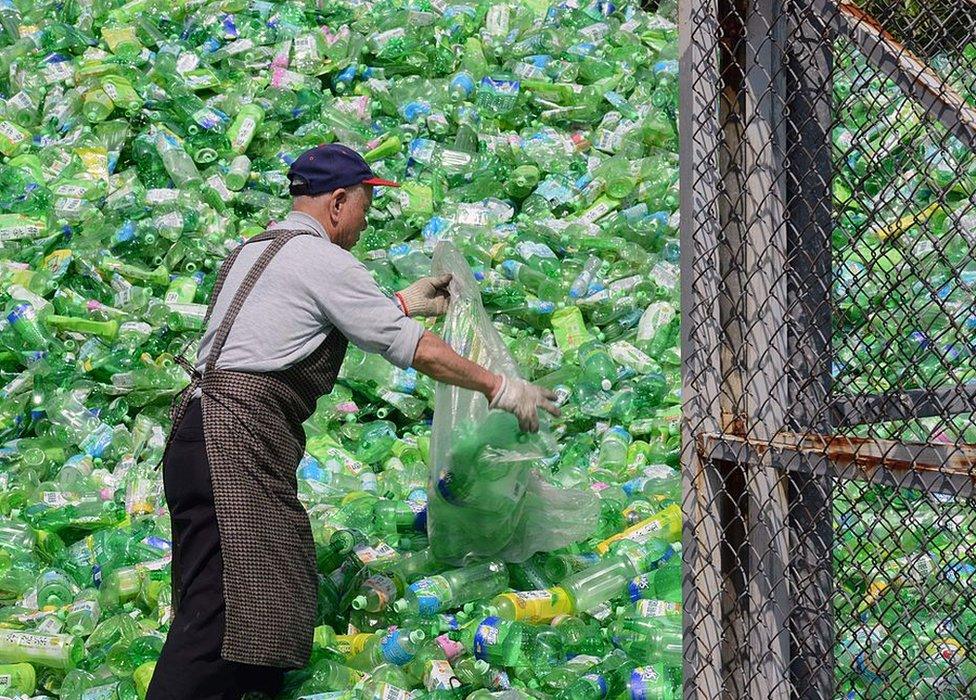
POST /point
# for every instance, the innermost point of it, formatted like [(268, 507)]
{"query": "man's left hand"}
[(426, 297)]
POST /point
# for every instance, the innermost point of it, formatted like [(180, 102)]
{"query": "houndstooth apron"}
[(254, 438)]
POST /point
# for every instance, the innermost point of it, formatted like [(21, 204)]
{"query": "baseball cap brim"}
[(381, 182)]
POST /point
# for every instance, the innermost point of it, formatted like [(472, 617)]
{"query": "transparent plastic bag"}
[(488, 493)]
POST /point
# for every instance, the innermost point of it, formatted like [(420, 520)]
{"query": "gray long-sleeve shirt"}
[(310, 287)]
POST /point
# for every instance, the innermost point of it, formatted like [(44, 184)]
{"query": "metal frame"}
[(909, 72), (901, 405), (949, 469), (759, 460)]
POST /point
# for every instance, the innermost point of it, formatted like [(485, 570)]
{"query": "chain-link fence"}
[(829, 348)]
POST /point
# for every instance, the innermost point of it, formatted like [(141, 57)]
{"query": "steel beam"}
[(902, 405), (938, 468)]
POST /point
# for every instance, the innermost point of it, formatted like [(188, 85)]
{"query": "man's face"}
[(349, 214)]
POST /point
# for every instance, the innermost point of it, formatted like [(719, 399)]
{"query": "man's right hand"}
[(523, 400)]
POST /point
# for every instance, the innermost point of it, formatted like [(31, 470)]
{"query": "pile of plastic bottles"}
[(903, 318), (903, 263), (142, 141), (905, 614)]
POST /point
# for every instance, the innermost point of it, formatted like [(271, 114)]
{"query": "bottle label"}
[(200, 79), (369, 555), (70, 191), (393, 649), (657, 608), (440, 676), (84, 606), (597, 211), (102, 692), (207, 118), (499, 680), (33, 641), (245, 133), (55, 499), (187, 62), (486, 636), (70, 205), (473, 215), (432, 594), (305, 46), (455, 159), (404, 380), (161, 195), (156, 564), (640, 678), (385, 691), (159, 543), (450, 648), (665, 274), (369, 481), (639, 587), (540, 605), (11, 132), (529, 249), (14, 227), (173, 219), (111, 90), (642, 531), (351, 644), (50, 625), (217, 183), (58, 72), (626, 354)]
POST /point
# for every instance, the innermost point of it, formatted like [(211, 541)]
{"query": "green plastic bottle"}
[(60, 651), (17, 679), (452, 589)]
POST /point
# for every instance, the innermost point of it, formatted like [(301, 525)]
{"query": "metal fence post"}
[(703, 581), (810, 221), (765, 390)]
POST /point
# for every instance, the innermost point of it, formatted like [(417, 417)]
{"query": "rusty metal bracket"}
[(943, 468), (912, 75)]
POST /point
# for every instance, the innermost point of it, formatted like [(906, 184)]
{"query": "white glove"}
[(524, 400), (426, 297)]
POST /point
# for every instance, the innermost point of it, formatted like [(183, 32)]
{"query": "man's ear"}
[(336, 201)]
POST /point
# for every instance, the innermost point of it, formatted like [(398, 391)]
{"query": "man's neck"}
[(306, 218)]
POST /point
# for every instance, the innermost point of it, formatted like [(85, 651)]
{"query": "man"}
[(283, 308)]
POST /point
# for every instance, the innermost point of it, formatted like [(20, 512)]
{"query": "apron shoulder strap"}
[(225, 269), (278, 239)]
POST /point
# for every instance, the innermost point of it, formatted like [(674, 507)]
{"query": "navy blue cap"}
[(328, 167)]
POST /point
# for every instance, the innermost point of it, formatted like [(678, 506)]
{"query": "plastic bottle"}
[(453, 588), (52, 650)]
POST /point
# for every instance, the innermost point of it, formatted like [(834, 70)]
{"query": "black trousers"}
[(190, 666)]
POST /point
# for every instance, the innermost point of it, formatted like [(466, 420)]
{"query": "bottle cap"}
[(359, 602), (400, 605)]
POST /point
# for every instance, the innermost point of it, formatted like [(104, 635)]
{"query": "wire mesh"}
[(829, 355)]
